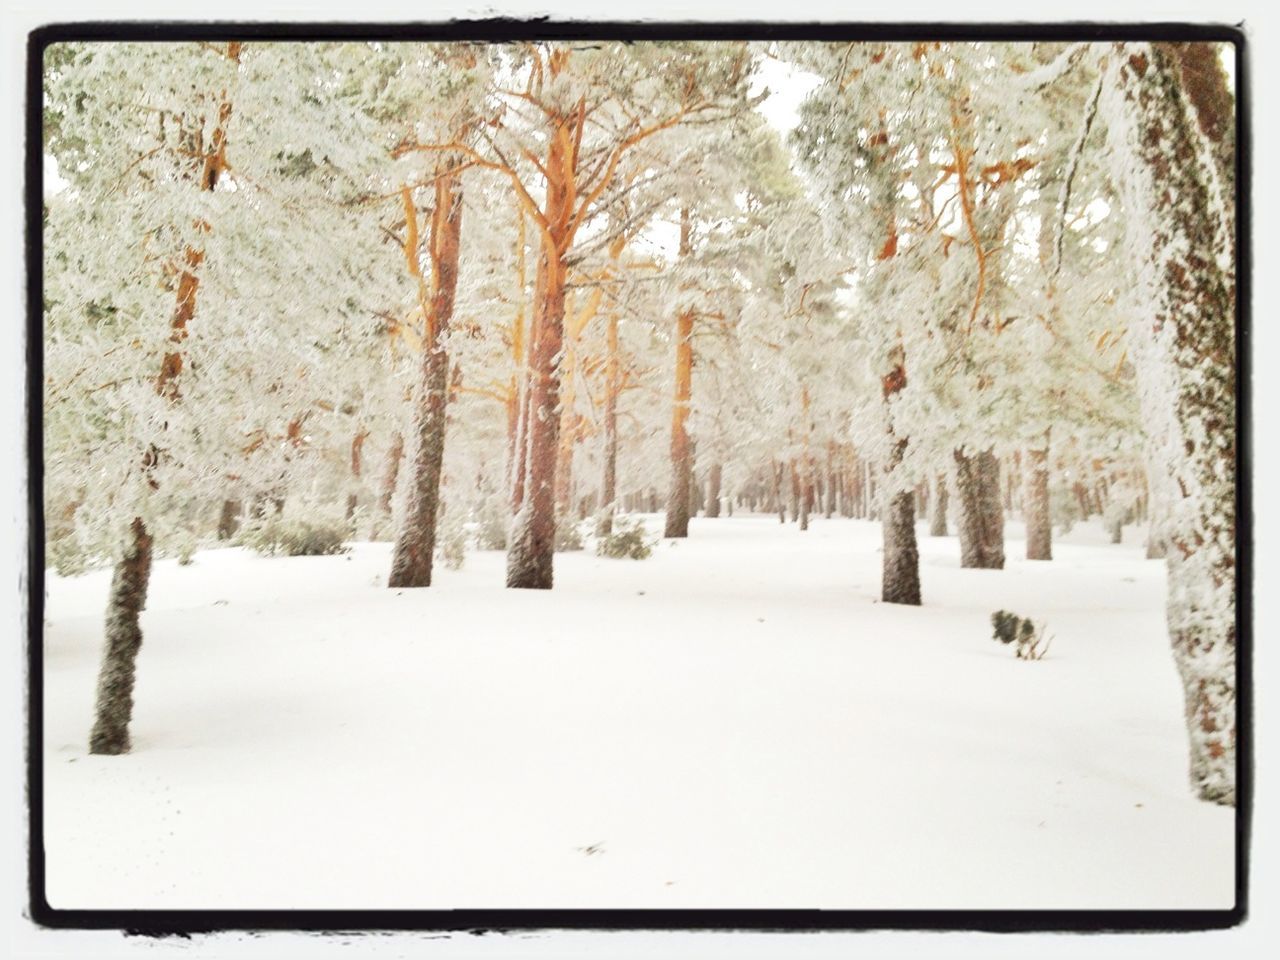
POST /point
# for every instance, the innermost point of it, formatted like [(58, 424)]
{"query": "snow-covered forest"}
[(660, 474)]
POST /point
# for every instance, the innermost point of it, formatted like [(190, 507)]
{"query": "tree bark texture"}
[(981, 520), (530, 556), (938, 507), (713, 490), (1035, 504), (415, 543), (677, 521), (805, 498), (1169, 165), (128, 597), (609, 480), (900, 580), (901, 575)]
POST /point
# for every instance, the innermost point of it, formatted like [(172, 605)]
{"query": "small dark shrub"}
[(1011, 628), (293, 537), (568, 536), (627, 540)]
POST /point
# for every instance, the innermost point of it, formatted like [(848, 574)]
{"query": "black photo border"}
[(184, 922)]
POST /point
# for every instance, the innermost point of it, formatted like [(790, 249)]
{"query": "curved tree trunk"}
[(1035, 504), (415, 544), (114, 708), (981, 521), (1170, 168)]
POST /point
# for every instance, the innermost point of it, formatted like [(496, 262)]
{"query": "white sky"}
[(787, 87)]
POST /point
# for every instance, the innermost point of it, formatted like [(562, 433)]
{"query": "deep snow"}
[(735, 722)]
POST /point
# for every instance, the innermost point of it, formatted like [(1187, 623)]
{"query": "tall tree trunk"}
[(520, 462), (900, 582), (415, 544), (858, 491), (1082, 499), (981, 517), (570, 422), (901, 576), (1010, 485), (568, 431), (831, 497), (1170, 166), (114, 706), (1035, 504), (793, 496), (114, 710), (609, 480), (938, 507), (696, 489), (524, 400), (516, 383), (681, 462), (713, 490), (804, 497), (531, 552)]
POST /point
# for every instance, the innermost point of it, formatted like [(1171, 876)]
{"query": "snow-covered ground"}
[(735, 722)]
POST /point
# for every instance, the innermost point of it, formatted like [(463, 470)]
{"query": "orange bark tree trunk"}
[(677, 521), (415, 543), (609, 480), (531, 552)]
